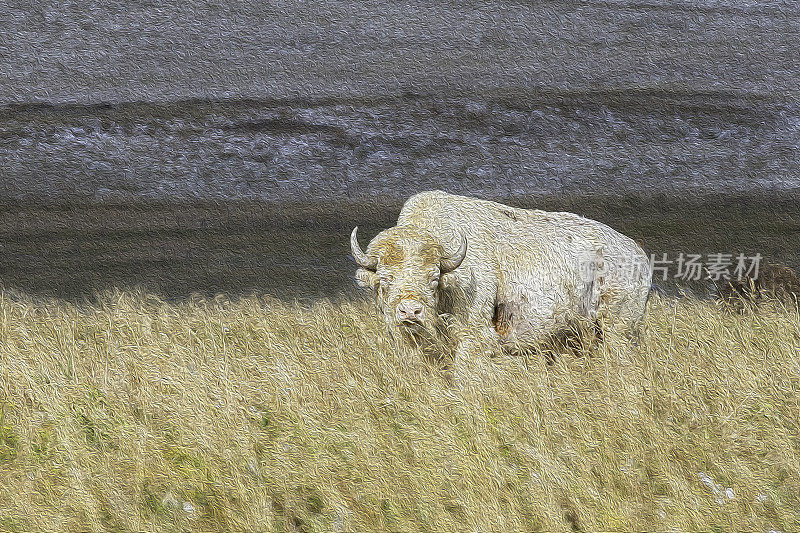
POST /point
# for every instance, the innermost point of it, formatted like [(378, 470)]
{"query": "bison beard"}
[(434, 342)]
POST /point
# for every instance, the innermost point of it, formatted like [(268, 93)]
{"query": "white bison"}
[(462, 274)]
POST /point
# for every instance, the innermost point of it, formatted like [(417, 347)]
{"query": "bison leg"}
[(481, 336), (470, 360)]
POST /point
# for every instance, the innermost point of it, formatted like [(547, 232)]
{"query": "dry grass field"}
[(134, 414)]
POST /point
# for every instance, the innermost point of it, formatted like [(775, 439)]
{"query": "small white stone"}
[(761, 498), (169, 500), (708, 482), (188, 508), (252, 466), (729, 493)]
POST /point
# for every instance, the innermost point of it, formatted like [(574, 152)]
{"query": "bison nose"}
[(410, 311)]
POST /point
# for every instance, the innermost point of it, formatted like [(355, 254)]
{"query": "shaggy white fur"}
[(525, 273)]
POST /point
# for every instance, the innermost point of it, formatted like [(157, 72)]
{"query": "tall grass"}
[(133, 414)]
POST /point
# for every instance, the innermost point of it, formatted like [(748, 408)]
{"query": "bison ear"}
[(366, 279)]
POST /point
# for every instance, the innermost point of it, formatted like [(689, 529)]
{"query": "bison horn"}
[(451, 263), (361, 258)]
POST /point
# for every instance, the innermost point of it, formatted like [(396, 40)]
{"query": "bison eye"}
[(383, 287), (434, 280)]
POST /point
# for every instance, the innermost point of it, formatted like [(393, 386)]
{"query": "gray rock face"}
[(69, 51), (602, 144), (519, 98)]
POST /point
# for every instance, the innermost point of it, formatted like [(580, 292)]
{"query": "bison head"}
[(406, 268)]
